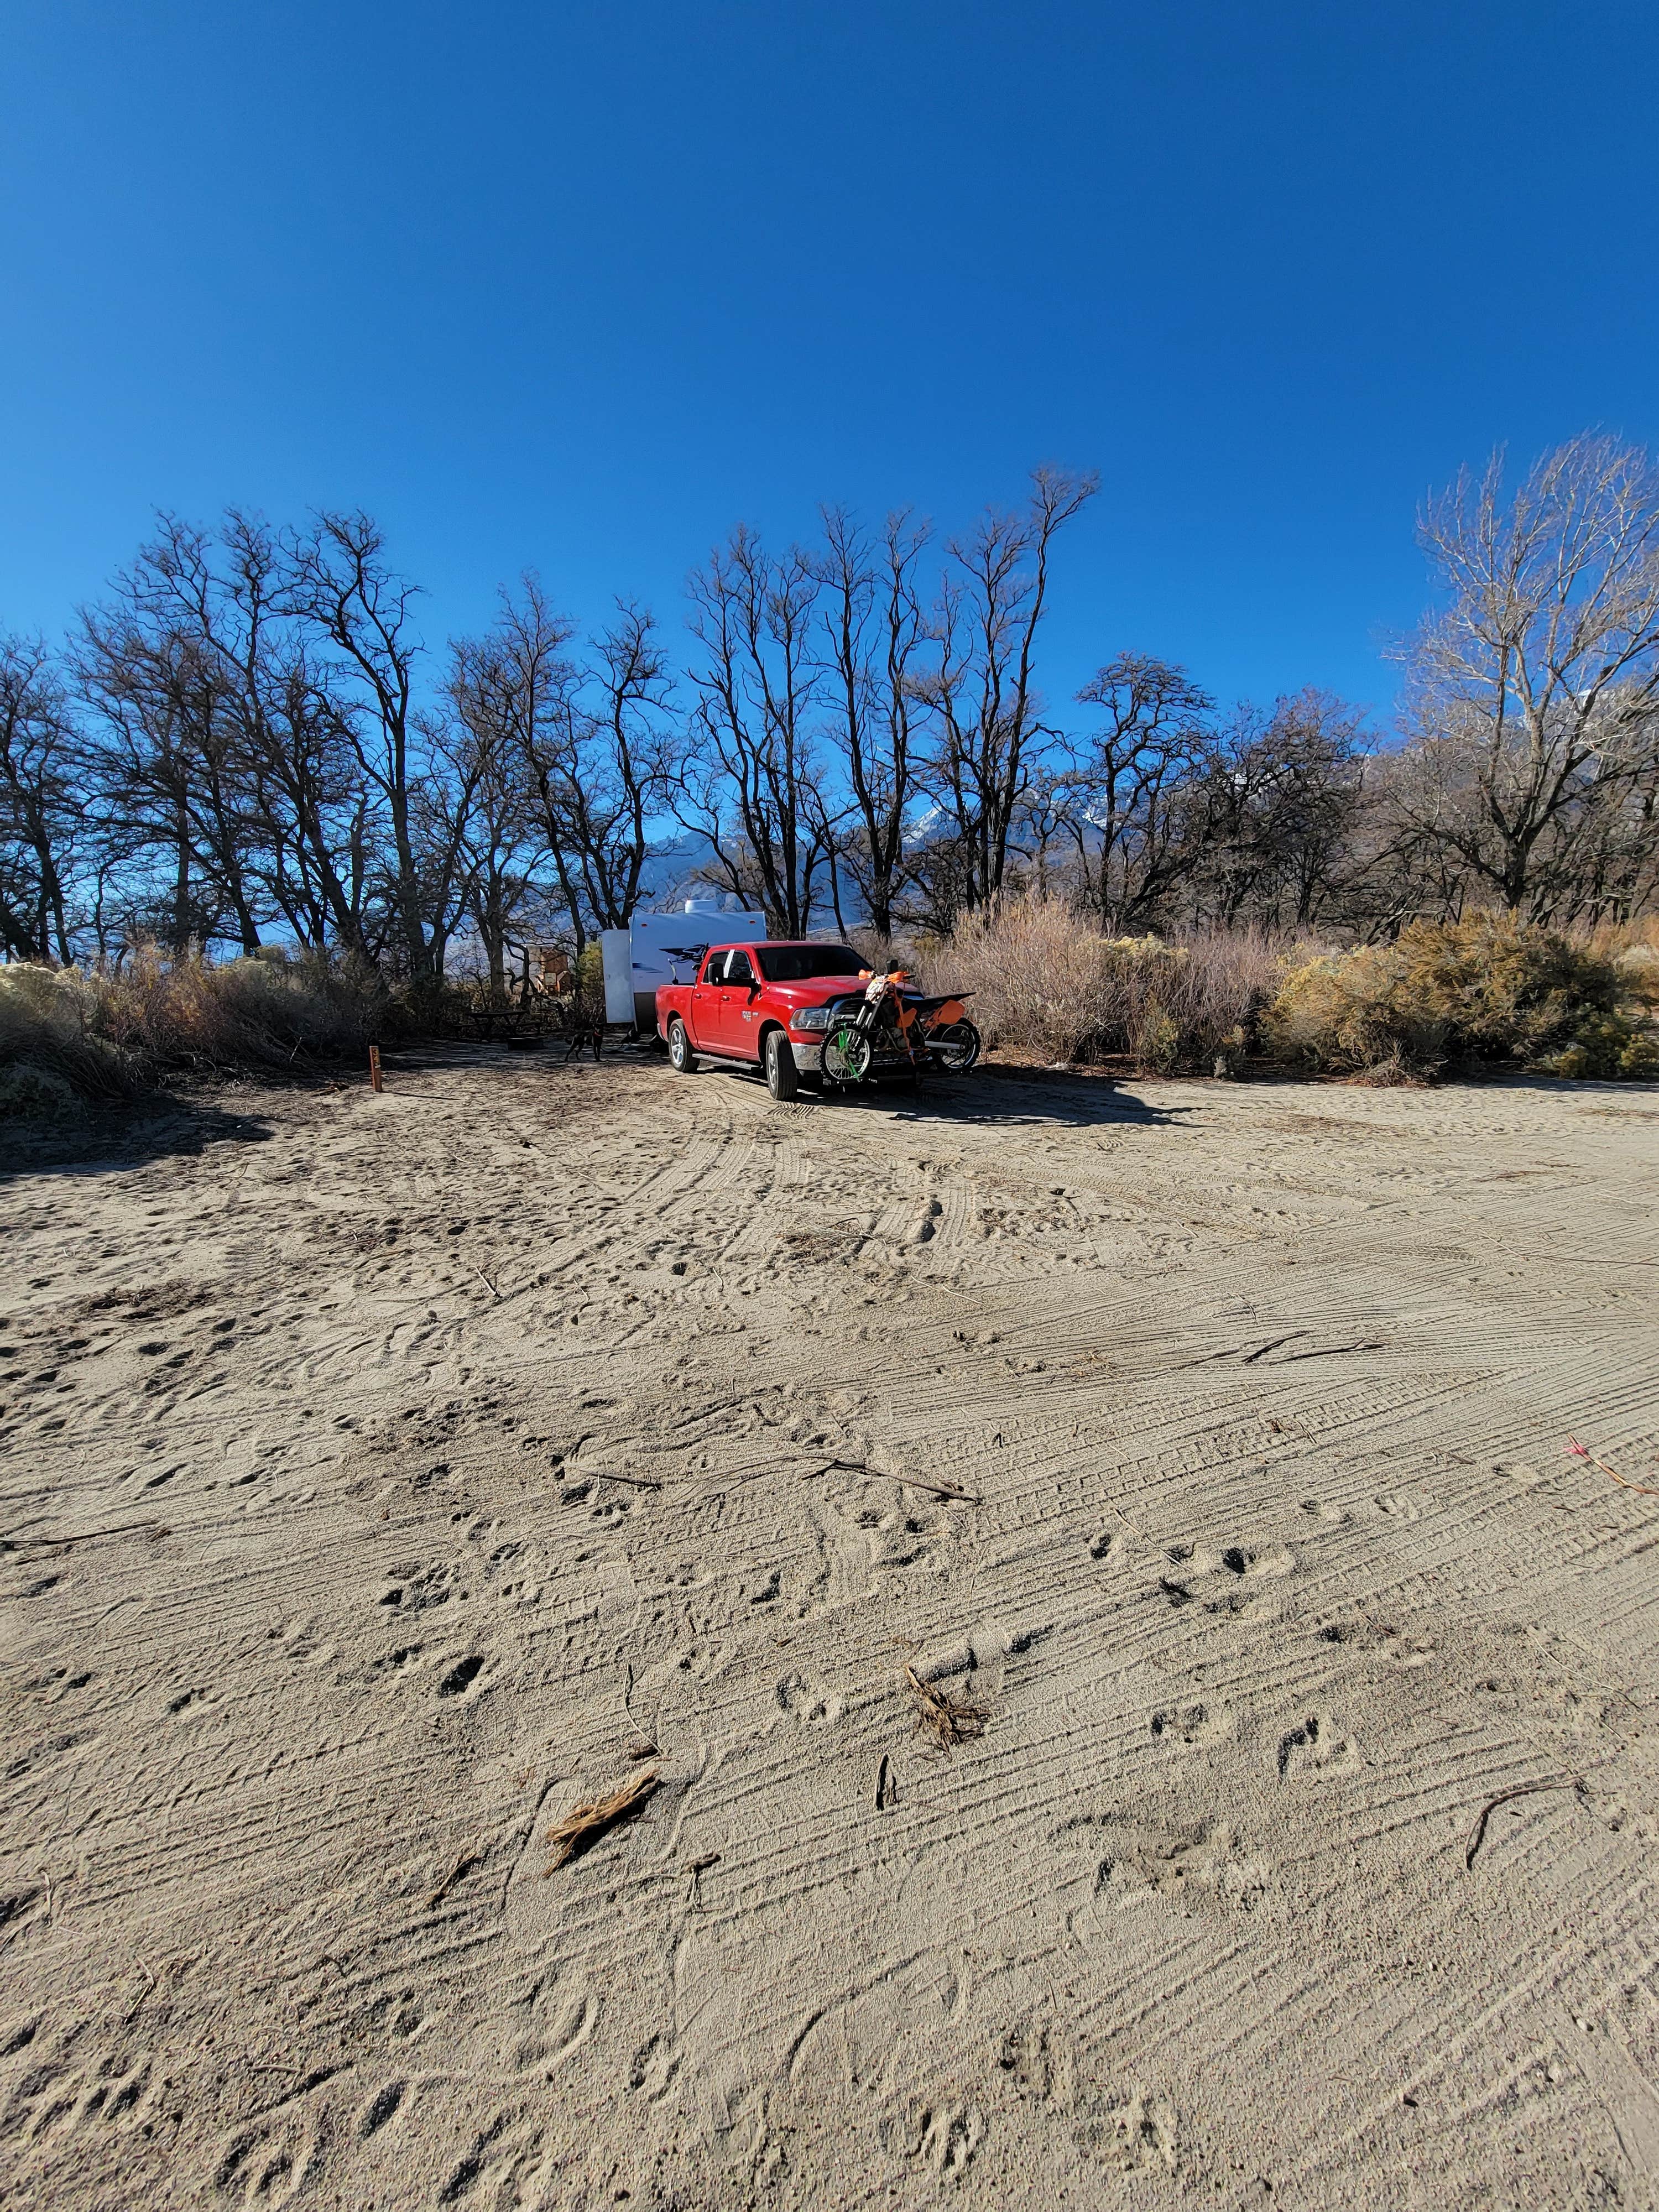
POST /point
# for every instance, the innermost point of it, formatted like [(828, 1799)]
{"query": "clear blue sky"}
[(578, 287)]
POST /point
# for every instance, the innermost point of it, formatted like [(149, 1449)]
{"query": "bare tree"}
[(173, 772), (876, 631), (982, 690), (619, 761), (1276, 812), (1533, 693), (502, 849), (42, 813), (317, 839), (1124, 801), (338, 584), (750, 784), (511, 690)]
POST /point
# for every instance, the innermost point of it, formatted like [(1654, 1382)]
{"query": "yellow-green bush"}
[(1609, 1045), (1485, 988)]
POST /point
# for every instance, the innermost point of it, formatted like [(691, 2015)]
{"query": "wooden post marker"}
[(374, 1082)]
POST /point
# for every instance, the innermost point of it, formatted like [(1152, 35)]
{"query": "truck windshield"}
[(798, 963)]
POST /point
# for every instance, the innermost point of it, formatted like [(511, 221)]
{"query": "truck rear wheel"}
[(780, 1075), (679, 1048)]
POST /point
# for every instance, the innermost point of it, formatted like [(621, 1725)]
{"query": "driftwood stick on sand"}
[(939, 1490), (1478, 1833), (586, 1823), (89, 1535), (913, 1481)]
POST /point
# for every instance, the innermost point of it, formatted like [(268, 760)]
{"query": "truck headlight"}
[(810, 1018)]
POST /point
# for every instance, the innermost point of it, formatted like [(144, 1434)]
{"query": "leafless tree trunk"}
[(173, 772), (1278, 812), (318, 835), (515, 690), (877, 631), (617, 769)]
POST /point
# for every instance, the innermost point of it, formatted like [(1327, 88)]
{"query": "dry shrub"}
[(47, 1030), (1045, 981), (1037, 973), (1617, 940), (1485, 988), (107, 1033), (269, 1012), (1632, 948), (29, 1092), (1393, 1073), (949, 1720)]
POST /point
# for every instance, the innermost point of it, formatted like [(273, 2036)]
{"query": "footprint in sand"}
[(1231, 1579), (1317, 1747), (805, 1702), (1191, 1724), (1197, 1867), (938, 2135), (1137, 2135)]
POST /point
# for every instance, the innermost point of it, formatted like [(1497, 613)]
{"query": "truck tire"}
[(681, 1058), (781, 1076)]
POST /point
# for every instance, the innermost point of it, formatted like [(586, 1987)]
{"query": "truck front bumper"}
[(809, 1059)]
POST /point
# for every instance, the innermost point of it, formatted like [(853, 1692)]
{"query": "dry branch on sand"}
[(587, 1823), (949, 1720), (1582, 1451), (1477, 1834), (463, 1865)]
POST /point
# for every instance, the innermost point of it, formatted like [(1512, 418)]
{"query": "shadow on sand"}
[(1000, 1098), (118, 1138)]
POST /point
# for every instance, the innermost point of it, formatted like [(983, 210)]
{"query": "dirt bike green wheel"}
[(846, 1056)]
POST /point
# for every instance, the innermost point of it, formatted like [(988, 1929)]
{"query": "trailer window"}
[(799, 963)]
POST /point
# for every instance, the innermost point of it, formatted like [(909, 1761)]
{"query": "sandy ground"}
[(1273, 1572)]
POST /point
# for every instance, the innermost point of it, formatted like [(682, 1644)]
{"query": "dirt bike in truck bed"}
[(795, 1009)]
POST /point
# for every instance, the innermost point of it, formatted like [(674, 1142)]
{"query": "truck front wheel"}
[(780, 1077), (679, 1048)]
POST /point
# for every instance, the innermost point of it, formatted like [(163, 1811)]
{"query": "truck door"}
[(704, 1006), (739, 1021)]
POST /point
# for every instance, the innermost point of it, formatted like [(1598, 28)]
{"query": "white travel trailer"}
[(665, 948)]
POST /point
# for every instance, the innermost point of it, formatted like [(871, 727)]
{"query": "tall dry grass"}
[(1045, 979), (107, 1034)]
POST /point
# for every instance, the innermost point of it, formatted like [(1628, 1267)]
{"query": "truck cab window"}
[(713, 969), (737, 968)]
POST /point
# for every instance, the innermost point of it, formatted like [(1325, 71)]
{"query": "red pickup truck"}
[(770, 1005)]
